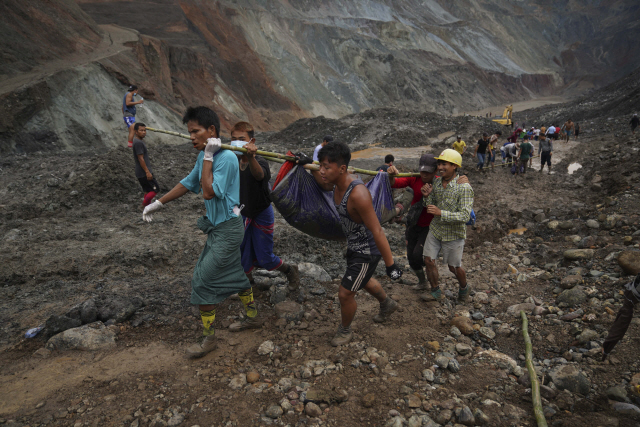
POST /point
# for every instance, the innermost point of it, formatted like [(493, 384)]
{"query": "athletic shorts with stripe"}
[(360, 269)]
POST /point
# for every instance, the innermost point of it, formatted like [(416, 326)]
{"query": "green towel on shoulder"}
[(219, 273)]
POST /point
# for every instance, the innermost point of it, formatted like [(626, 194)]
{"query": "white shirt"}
[(315, 153), (551, 130)]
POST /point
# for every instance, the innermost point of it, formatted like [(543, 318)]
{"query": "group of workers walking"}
[(239, 222), (239, 219), (518, 150)]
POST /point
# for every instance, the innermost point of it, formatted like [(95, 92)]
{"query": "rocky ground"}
[(77, 257)]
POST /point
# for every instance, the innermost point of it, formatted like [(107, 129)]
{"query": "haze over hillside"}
[(273, 61)]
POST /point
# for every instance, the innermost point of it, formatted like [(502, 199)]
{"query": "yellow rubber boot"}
[(249, 304)]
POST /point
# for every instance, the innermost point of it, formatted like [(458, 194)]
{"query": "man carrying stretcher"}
[(366, 242)]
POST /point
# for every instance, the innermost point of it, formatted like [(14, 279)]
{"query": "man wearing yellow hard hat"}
[(450, 203)]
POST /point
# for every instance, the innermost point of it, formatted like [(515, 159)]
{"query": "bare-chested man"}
[(568, 129)]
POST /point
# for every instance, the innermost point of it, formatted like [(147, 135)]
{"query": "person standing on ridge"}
[(635, 121), (450, 203), (218, 273), (129, 111), (577, 131), (257, 214), (366, 242), (324, 142), (388, 161), (143, 166), (481, 150)]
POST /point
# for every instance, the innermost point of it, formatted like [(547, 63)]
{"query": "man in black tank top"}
[(366, 242)]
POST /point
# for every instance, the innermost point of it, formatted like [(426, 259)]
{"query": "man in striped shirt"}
[(451, 204)]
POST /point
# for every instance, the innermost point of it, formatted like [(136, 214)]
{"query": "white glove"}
[(212, 147), (146, 215)]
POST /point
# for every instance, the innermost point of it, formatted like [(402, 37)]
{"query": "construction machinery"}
[(506, 116)]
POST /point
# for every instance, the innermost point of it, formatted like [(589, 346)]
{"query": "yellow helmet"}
[(451, 156)]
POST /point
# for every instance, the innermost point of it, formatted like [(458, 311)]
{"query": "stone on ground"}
[(289, 310), (570, 378), (629, 261), (314, 271), (91, 337)]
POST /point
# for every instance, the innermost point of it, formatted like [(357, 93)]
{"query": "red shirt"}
[(415, 182)]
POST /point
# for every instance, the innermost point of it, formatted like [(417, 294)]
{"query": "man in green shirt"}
[(525, 153), (451, 204)]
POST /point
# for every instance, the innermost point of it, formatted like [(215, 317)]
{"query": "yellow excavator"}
[(506, 116)]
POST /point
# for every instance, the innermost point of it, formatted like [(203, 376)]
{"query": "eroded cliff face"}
[(332, 57), (273, 61)]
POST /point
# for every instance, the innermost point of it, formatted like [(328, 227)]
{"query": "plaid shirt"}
[(455, 202)]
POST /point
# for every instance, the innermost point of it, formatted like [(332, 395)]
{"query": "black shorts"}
[(360, 269), (148, 186), (545, 157)]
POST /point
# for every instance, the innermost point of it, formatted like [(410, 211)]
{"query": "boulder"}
[(463, 349), (578, 254), (274, 411), (314, 271), (572, 297), (88, 311), (56, 324), (464, 324), (587, 335), (118, 308), (568, 377), (618, 393), (592, 223), (266, 348), (238, 382), (465, 416), (91, 337), (515, 309), (253, 377), (626, 409), (312, 410), (279, 294), (289, 310), (487, 333), (629, 261), (571, 281)]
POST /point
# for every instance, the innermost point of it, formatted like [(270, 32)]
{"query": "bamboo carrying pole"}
[(535, 385), (277, 157)]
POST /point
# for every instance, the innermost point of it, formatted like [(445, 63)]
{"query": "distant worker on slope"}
[(481, 150), (129, 111), (493, 147), (257, 214), (569, 127), (635, 121), (545, 149), (388, 161), (143, 165), (218, 273), (324, 142), (459, 145)]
